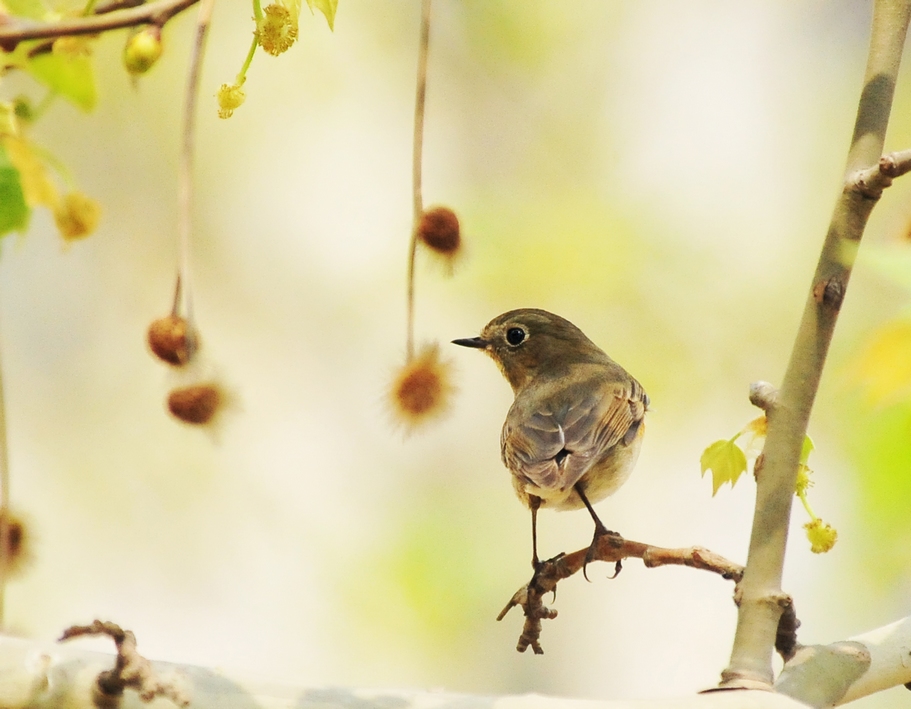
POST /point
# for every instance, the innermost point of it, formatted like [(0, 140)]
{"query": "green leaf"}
[(327, 7), (806, 450), (726, 461), (14, 212), (71, 77)]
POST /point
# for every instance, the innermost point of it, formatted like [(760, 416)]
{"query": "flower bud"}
[(142, 49)]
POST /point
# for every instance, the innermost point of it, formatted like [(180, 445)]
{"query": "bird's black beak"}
[(475, 342)]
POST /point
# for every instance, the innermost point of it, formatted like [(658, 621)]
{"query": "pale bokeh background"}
[(660, 173)]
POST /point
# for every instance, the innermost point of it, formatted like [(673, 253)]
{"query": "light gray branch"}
[(865, 176), (828, 675), (39, 676)]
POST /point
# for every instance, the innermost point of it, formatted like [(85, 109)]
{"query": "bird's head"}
[(530, 343)]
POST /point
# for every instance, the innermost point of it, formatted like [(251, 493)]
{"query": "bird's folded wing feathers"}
[(554, 447)]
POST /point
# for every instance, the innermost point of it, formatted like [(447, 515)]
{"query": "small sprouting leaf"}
[(806, 450), (14, 212), (726, 461), (70, 76), (327, 7)]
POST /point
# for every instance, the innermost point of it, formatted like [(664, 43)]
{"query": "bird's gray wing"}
[(552, 447)]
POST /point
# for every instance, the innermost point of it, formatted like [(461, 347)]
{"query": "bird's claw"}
[(600, 531)]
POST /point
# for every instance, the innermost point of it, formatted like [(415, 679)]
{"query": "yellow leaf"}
[(327, 7), (883, 370), (36, 185), (726, 461)]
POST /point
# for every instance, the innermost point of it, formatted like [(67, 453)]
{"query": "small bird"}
[(573, 433)]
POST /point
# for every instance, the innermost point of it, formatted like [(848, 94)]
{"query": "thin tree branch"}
[(838, 673), (14, 30), (611, 548), (39, 676), (416, 163), (760, 610), (131, 670)]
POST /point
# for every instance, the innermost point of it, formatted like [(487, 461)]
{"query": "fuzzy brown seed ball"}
[(18, 552), (419, 392), (439, 230), (421, 389), (196, 404), (169, 340)]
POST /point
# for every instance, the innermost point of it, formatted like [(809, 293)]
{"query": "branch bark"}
[(14, 30), (611, 548), (838, 673), (751, 656), (40, 676)]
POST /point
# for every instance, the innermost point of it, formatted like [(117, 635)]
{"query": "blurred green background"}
[(662, 174)]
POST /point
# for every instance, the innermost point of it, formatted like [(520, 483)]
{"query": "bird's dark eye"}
[(515, 336)]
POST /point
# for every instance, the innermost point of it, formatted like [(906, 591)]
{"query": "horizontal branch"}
[(43, 676), (15, 30), (611, 548)]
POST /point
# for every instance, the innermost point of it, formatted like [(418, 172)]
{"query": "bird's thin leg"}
[(600, 531), (534, 503)]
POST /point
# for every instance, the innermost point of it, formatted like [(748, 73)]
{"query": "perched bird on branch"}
[(573, 433)]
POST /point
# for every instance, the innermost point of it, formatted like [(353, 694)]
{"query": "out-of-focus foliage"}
[(14, 211)]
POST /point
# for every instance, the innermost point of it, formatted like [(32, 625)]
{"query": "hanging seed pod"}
[(422, 389), (196, 404), (18, 544), (170, 340), (439, 231)]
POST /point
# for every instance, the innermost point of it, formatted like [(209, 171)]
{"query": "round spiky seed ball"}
[(422, 388)]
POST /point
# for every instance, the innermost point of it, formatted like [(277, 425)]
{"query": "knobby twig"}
[(611, 548), (760, 591), (15, 30), (131, 670), (416, 179)]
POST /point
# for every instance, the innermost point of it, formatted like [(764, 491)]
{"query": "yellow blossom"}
[(277, 30), (230, 97), (821, 535)]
